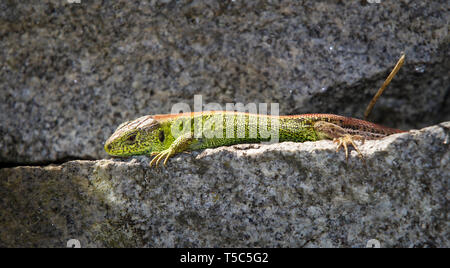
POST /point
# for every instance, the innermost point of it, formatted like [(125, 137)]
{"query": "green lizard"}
[(154, 134), (165, 135)]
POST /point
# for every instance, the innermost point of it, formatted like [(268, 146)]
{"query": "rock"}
[(257, 195), (71, 73)]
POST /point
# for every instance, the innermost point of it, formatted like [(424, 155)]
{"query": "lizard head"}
[(140, 136)]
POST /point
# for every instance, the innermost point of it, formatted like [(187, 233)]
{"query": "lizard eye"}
[(161, 136), (131, 139)]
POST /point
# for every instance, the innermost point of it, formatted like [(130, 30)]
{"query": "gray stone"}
[(257, 195), (71, 73)]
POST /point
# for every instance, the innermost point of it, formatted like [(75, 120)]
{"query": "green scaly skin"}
[(163, 136)]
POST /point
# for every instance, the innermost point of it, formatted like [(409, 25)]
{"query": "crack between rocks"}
[(60, 161)]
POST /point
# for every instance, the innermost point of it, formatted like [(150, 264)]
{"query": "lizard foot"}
[(181, 144), (346, 140), (159, 156)]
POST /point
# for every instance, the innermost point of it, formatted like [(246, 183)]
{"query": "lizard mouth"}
[(108, 148)]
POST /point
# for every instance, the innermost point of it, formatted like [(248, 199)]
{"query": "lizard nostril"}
[(108, 147)]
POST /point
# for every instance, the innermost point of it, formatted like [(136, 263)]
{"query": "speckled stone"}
[(71, 73), (260, 195)]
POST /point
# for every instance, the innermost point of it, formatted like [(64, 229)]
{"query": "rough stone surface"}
[(71, 73), (259, 195)]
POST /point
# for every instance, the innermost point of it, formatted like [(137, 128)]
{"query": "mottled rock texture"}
[(277, 195), (70, 73)]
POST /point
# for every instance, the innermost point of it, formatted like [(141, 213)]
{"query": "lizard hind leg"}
[(339, 136), (346, 140)]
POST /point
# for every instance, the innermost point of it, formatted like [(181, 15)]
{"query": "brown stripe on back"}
[(146, 119), (352, 123), (193, 114)]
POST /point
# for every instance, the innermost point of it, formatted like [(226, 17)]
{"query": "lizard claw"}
[(346, 140), (159, 156)]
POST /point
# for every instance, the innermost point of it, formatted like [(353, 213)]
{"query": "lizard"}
[(161, 136), (153, 134)]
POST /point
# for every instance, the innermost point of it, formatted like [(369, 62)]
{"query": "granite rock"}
[(258, 195), (71, 73)]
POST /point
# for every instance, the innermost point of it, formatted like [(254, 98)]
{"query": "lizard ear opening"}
[(161, 136)]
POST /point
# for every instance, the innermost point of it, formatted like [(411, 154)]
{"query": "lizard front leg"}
[(339, 136), (179, 145)]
